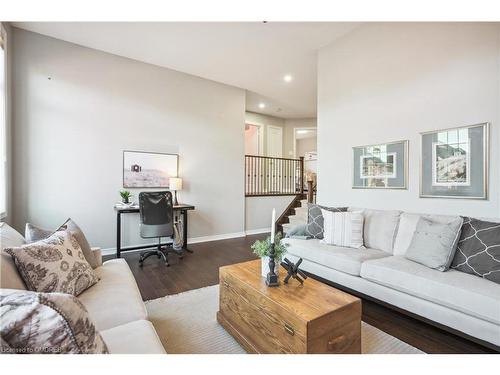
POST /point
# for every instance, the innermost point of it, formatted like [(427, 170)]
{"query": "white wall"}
[(390, 81), (290, 125), (8, 119), (76, 110), (264, 121), (258, 212), (306, 145)]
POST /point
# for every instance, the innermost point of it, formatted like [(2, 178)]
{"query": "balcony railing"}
[(266, 176)]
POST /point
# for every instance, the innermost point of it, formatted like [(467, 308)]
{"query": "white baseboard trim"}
[(257, 231), (225, 236)]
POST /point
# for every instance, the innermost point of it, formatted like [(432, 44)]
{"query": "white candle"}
[(273, 220)]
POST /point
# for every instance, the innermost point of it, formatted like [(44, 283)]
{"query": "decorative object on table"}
[(265, 248), (454, 162), (175, 185), (262, 248), (381, 166), (126, 195), (148, 169), (293, 271)]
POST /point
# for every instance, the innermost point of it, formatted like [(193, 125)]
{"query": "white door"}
[(274, 141)]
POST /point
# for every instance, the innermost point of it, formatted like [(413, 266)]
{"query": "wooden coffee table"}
[(313, 318)]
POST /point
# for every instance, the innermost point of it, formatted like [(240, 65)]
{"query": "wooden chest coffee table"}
[(313, 318)]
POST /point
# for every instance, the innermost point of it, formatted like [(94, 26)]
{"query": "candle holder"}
[(272, 278)]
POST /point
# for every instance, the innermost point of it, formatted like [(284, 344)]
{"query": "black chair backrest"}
[(156, 214)]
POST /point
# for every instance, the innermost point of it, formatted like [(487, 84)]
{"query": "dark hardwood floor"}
[(193, 271), (201, 269)]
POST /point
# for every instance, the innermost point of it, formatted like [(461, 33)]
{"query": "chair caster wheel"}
[(140, 263), (167, 265), (159, 256), (181, 257)]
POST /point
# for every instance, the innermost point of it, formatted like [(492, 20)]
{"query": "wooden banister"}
[(301, 175), (310, 191), (268, 176)]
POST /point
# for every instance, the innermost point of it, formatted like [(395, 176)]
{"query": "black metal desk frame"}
[(183, 208)]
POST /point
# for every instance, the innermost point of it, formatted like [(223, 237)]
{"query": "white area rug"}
[(186, 324)]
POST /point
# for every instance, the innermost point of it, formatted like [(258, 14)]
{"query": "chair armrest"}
[(96, 252)]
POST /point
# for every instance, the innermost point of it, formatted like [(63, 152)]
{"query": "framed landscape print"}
[(382, 166), (148, 169), (454, 162)]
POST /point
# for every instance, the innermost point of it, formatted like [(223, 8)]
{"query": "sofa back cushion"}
[(408, 224), (9, 276), (380, 227)]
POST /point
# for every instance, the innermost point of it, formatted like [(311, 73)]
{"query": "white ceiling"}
[(250, 55)]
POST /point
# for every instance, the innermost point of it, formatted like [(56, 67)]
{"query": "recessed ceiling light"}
[(302, 131), (262, 105), (287, 78)]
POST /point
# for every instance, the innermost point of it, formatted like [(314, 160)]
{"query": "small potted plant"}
[(126, 195), (262, 249)]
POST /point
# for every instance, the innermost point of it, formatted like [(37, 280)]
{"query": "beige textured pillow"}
[(34, 233), (55, 264), (46, 323)]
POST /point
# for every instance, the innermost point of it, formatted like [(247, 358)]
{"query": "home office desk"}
[(183, 208)]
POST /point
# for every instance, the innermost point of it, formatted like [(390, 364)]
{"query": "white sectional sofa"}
[(460, 301), (114, 303)]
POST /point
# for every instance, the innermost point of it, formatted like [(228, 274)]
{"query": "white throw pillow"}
[(408, 225), (343, 228)]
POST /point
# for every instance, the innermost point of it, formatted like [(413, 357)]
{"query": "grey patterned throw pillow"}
[(46, 323), (478, 251), (55, 264), (315, 221), (34, 233)]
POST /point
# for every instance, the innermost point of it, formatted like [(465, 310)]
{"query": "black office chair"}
[(157, 221)]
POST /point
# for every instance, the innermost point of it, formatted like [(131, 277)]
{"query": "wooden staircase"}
[(295, 214)]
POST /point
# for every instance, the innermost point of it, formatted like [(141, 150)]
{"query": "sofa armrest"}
[(96, 252)]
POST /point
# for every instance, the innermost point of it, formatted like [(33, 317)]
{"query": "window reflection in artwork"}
[(451, 158), (377, 164)]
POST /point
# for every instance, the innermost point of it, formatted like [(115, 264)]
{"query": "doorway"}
[(275, 141), (254, 139), (305, 144)]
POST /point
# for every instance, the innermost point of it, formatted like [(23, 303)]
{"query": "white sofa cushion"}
[(408, 224), (9, 276), (115, 299), (138, 337), (457, 290), (342, 259), (380, 228)]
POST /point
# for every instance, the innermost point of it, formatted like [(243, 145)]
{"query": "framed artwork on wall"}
[(148, 169), (454, 162), (381, 166)]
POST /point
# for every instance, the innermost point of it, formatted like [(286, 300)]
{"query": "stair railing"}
[(271, 176)]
